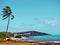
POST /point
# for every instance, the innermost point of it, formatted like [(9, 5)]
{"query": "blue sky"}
[(32, 15)]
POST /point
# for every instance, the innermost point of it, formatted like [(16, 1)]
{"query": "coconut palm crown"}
[(7, 13)]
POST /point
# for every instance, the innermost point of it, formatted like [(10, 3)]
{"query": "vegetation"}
[(18, 37), (3, 34)]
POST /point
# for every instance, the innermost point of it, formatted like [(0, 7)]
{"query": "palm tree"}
[(7, 13)]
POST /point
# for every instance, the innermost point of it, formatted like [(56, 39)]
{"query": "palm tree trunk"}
[(7, 27)]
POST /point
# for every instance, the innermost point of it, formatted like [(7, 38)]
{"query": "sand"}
[(17, 43), (26, 43)]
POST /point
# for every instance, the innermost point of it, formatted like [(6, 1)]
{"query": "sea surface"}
[(45, 38)]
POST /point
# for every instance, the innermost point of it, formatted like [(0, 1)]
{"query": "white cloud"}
[(52, 22)]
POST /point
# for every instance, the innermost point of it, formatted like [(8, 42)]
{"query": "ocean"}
[(45, 38)]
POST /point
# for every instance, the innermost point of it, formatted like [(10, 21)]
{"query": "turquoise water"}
[(46, 38)]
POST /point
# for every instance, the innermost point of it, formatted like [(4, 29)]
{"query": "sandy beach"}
[(18, 43), (26, 43)]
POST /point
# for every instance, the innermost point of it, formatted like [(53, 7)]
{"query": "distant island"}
[(31, 33)]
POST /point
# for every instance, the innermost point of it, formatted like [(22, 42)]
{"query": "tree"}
[(7, 13)]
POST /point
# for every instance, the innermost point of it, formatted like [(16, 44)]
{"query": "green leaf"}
[(12, 17), (6, 17)]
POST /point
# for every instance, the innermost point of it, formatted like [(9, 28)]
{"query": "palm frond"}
[(5, 17), (12, 17), (5, 14)]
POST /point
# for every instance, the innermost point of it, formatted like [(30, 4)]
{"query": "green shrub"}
[(1, 35), (18, 37)]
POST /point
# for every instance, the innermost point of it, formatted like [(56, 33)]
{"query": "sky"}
[(32, 15)]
